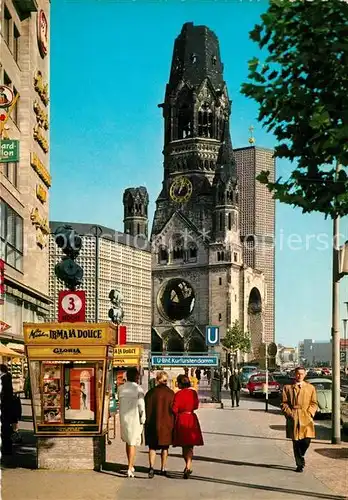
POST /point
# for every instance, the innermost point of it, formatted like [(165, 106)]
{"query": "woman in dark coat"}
[(159, 421), (187, 431)]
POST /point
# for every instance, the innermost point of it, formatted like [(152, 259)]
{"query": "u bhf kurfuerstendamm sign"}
[(9, 151), (69, 333)]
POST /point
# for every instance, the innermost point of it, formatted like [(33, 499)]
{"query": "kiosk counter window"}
[(68, 396)]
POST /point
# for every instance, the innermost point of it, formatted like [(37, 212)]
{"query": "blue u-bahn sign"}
[(212, 335), (190, 361)]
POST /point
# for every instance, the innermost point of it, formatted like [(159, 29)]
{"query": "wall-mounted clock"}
[(181, 189)]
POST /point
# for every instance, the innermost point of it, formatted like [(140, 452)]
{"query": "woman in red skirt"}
[(187, 431)]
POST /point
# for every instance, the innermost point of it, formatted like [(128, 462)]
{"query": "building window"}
[(7, 80), (163, 256), (7, 26), (220, 317), (14, 114), (221, 222), (214, 59), (184, 122), (205, 122), (11, 236), (220, 281), (192, 253), (11, 173), (178, 250), (235, 257), (229, 221), (16, 36), (220, 256)]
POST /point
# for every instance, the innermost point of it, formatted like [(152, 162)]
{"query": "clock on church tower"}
[(181, 189)]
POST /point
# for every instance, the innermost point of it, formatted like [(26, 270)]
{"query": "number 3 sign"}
[(72, 306)]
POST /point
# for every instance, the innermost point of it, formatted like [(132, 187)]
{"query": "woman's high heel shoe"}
[(187, 473), (130, 472)]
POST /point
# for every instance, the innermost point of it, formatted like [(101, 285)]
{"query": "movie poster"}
[(79, 394), (51, 394)]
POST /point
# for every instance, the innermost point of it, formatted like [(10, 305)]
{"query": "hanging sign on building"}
[(72, 306), (9, 151), (6, 96), (42, 33)]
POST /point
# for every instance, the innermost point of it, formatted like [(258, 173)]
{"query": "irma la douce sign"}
[(68, 334)]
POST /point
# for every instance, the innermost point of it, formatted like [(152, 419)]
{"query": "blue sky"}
[(110, 63)]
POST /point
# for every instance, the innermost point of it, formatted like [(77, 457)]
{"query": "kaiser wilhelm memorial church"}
[(213, 229)]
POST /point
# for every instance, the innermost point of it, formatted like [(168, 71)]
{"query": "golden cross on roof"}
[(251, 138)]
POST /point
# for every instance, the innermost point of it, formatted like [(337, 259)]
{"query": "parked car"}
[(323, 387), (256, 383), (246, 372)]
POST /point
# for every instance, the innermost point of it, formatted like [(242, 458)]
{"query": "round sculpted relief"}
[(176, 299)]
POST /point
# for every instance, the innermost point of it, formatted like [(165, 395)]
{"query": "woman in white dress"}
[(132, 415)]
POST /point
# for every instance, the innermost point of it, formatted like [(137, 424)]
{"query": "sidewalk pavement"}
[(245, 454)]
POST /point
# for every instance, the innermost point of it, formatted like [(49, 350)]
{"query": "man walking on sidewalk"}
[(299, 405), (235, 384)]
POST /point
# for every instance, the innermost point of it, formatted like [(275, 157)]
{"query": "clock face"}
[(181, 190)]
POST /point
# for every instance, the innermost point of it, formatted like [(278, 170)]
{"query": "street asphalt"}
[(238, 460)]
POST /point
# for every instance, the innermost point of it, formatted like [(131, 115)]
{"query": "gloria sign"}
[(9, 151), (185, 361)]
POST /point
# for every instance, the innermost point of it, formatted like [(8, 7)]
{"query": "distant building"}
[(124, 263), (286, 355), (312, 352)]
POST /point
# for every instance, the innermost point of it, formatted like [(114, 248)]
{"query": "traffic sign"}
[(4, 326), (272, 349), (185, 361), (212, 335), (72, 306)]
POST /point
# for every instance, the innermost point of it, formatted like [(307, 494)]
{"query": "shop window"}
[(11, 236), (11, 172), (7, 26), (16, 36)]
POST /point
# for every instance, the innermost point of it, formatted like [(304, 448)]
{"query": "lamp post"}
[(335, 332), (97, 233)]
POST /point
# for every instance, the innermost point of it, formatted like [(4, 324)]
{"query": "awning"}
[(16, 347), (7, 352)]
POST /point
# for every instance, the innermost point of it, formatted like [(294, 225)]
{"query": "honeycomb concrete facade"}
[(257, 209), (124, 263), (25, 184)]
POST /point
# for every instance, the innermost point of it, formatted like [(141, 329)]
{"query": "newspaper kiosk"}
[(70, 366)]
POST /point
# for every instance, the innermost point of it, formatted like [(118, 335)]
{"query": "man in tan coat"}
[(299, 405)]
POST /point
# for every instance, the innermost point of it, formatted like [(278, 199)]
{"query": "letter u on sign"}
[(212, 336)]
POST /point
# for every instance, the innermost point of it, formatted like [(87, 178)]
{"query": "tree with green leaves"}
[(301, 88), (236, 340)]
